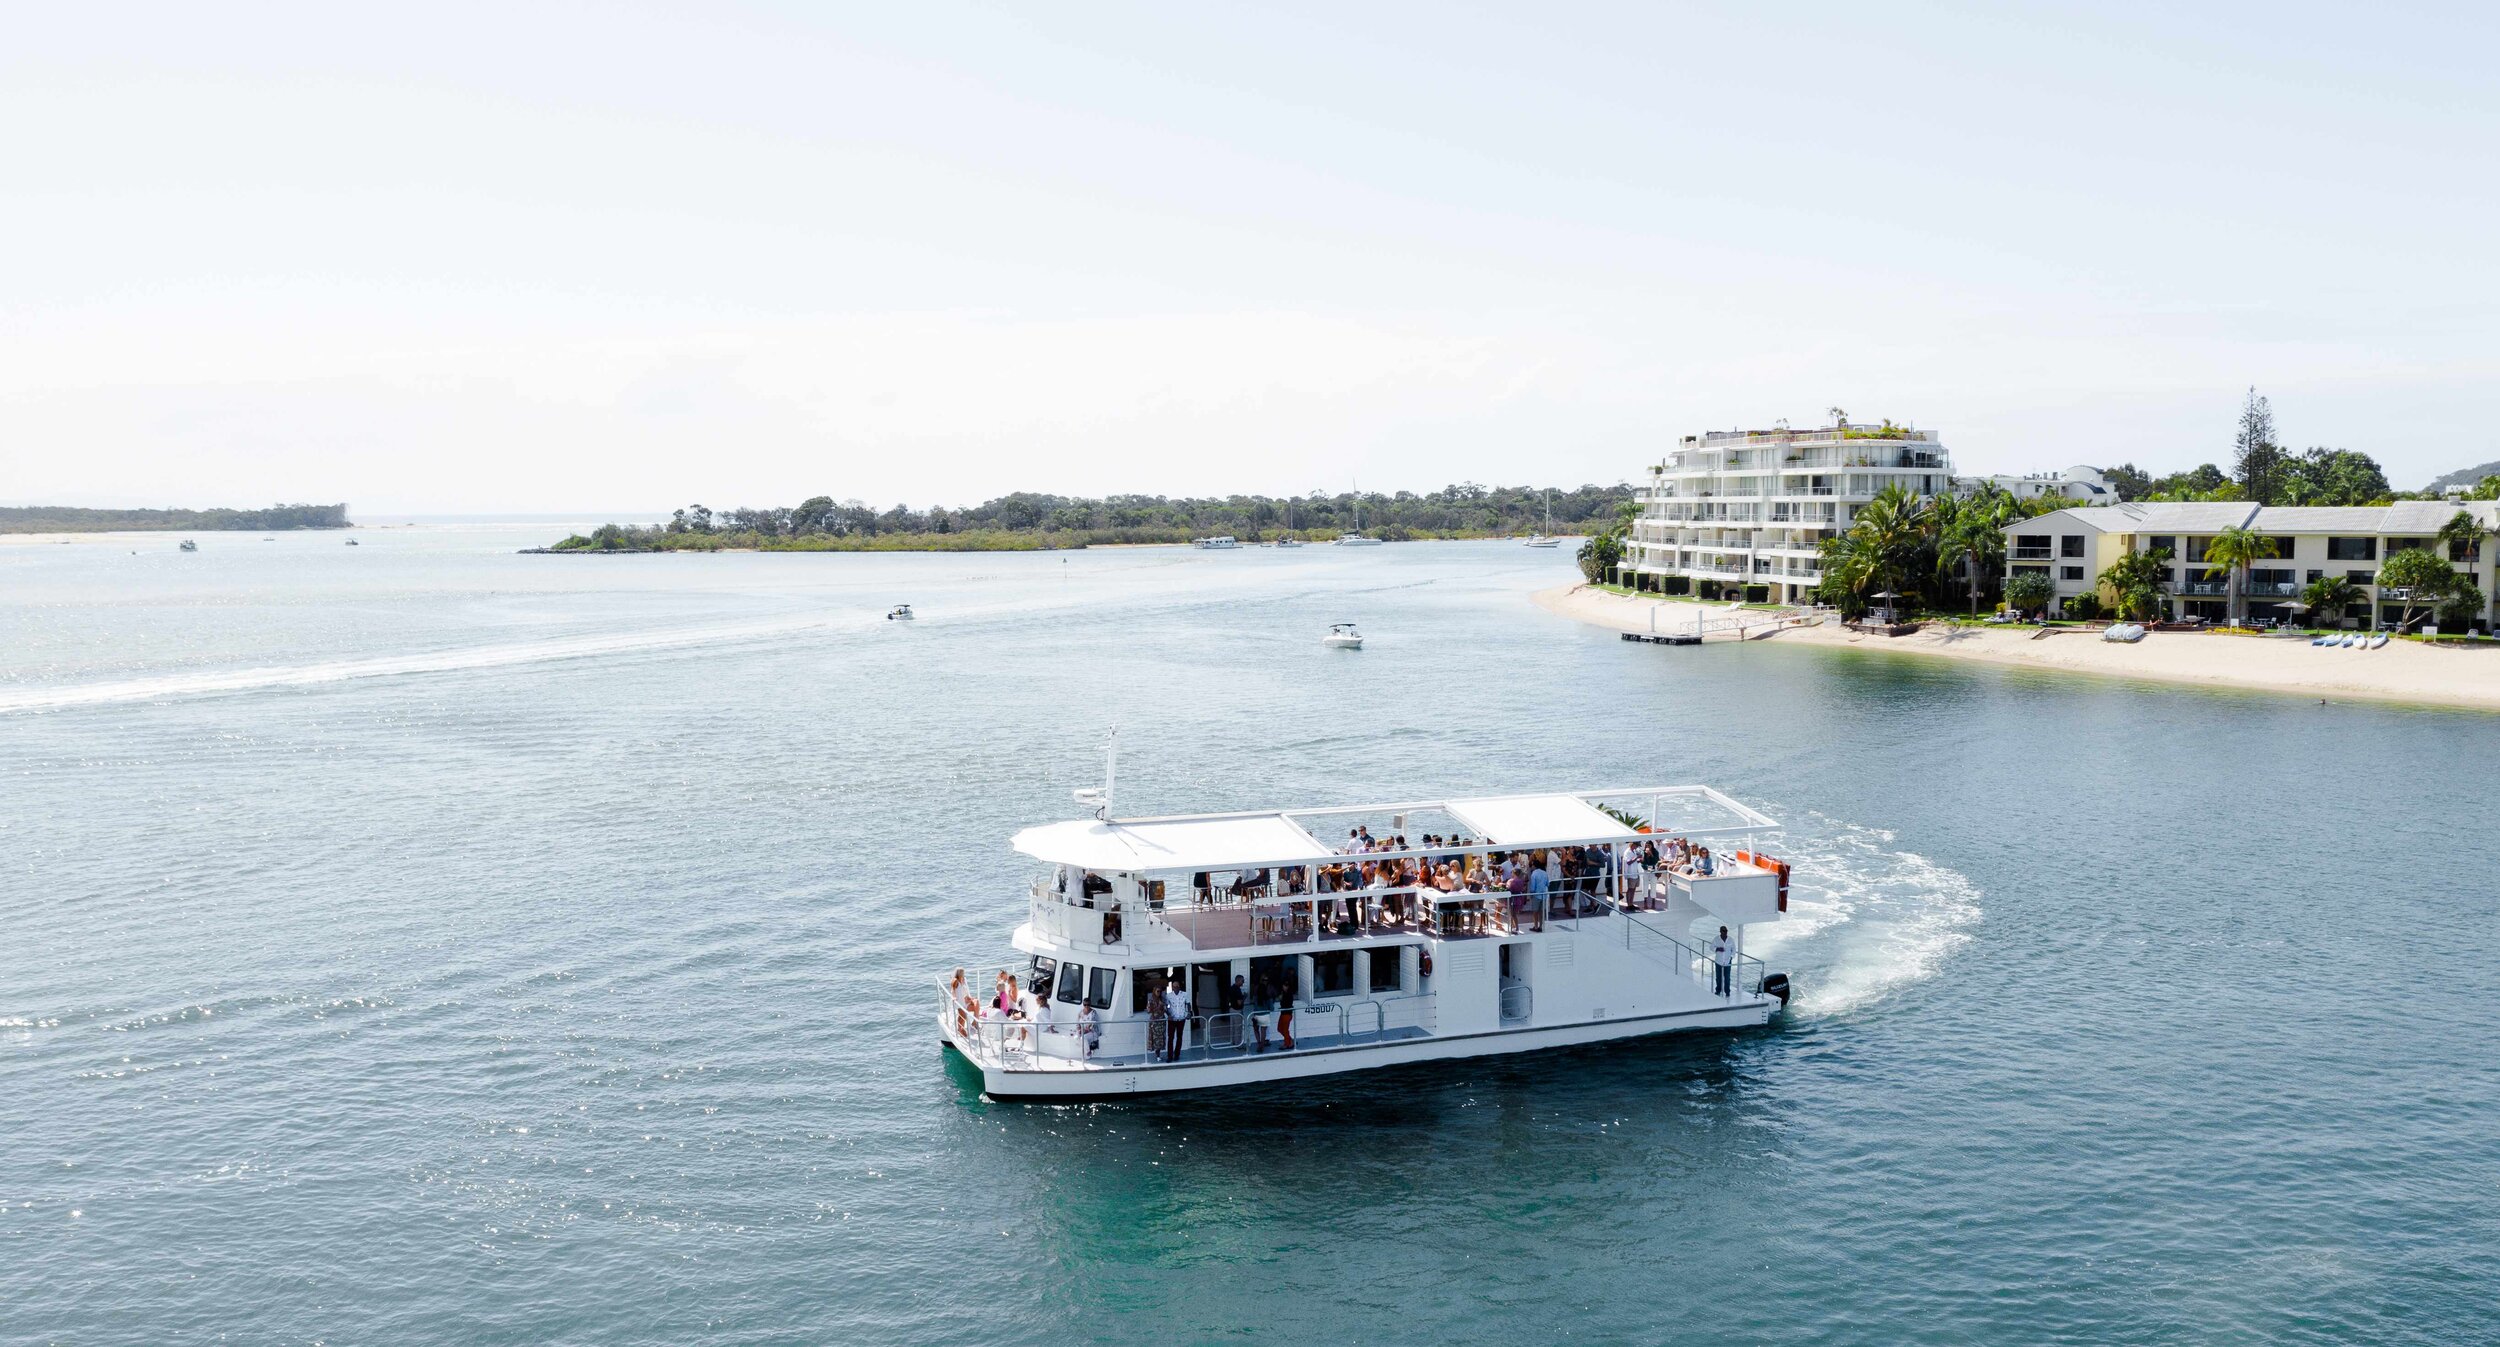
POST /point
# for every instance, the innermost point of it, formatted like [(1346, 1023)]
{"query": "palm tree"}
[(1970, 535), (2328, 596), (1890, 529), (2231, 552), (2464, 537), (2133, 583)]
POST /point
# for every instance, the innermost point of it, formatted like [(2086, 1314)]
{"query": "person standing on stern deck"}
[(1176, 1010), (1722, 962)]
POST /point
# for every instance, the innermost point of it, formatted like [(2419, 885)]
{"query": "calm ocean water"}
[(422, 943)]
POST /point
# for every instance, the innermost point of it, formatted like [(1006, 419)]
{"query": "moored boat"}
[(1201, 951)]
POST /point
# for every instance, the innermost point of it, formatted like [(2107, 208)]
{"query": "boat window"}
[(1146, 982), (1100, 995), (1039, 982), (1385, 962), (1072, 983), (1332, 972)]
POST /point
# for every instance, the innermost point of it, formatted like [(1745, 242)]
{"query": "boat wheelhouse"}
[(1196, 951)]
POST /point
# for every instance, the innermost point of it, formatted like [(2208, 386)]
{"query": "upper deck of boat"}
[(1191, 844)]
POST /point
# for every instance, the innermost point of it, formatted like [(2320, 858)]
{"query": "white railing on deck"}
[(1064, 1043)]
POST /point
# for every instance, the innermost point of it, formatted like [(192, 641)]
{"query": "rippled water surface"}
[(424, 943)]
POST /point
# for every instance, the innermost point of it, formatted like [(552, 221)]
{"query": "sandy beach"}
[(2402, 671)]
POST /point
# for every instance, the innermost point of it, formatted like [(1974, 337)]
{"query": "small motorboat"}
[(351, 542), (2125, 632), (189, 546), (1342, 636), (1289, 541), (901, 612)]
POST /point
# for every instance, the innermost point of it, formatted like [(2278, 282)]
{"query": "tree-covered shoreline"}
[(1031, 521), (74, 519)]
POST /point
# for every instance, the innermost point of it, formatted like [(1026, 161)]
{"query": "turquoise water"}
[(423, 943)]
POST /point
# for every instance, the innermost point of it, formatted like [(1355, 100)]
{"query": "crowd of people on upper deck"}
[(1386, 881)]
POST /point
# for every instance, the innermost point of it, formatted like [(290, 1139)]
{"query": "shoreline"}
[(2463, 677)]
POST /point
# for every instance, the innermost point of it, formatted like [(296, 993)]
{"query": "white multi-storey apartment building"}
[(1740, 509), (2073, 547), (2082, 484)]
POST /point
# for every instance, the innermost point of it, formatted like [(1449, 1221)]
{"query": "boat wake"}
[(168, 687), (1864, 919)]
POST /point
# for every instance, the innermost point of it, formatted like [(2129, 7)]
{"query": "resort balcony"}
[(2274, 589), (2032, 553)]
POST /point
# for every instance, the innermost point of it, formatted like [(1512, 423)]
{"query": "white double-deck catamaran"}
[(1206, 950)]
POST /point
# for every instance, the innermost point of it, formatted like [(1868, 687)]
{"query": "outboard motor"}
[(1776, 984)]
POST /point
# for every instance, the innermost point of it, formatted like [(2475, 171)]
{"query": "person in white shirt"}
[(1045, 1022), (1088, 1030), (1176, 1009), (1723, 962)]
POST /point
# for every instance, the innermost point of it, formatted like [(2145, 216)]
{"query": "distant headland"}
[(1028, 521), (71, 519)]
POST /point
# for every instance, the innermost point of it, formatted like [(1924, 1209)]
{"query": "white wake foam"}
[(164, 687), (1864, 919)]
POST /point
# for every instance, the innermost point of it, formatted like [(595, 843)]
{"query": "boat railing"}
[(1099, 929), (1518, 1002), (1064, 1042), (1692, 964), (1318, 918)]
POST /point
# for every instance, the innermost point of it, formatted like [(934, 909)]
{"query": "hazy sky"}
[(519, 258)]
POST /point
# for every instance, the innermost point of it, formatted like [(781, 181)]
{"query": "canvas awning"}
[(1216, 842), (1539, 820)]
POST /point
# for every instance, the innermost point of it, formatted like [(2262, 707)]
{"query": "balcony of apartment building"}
[(1851, 434), (2034, 552), (1797, 512)]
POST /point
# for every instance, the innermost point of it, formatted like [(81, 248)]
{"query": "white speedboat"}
[(1289, 541), (1209, 950), (901, 612), (1342, 636), (189, 546), (1222, 542)]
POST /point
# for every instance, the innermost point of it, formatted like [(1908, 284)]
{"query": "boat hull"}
[(1069, 1085)]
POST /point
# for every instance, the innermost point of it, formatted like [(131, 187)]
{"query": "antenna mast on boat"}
[(1098, 798)]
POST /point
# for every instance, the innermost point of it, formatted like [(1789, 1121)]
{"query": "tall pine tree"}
[(2257, 461)]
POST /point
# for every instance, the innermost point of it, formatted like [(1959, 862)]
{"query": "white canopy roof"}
[(1539, 820), (1214, 842), (1272, 838)]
